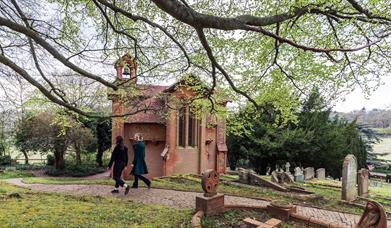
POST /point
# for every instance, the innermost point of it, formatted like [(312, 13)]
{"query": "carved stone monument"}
[(287, 166), (275, 177), (211, 202), (363, 182), (243, 175), (281, 178), (299, 176), (309, 173), (349, 178), (321, 174), (374, 216)]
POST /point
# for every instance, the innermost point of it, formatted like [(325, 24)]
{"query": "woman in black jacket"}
[(139, 165), (120, 159)]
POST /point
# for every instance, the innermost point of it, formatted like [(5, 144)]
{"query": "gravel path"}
[(171, 198), (180, 199)]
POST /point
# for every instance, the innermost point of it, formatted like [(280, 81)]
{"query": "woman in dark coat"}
[(139, 165), (120, 159)]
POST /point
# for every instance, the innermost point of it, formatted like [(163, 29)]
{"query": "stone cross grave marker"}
[(363, 182), (349, 178), (321, 173), (211, 202)]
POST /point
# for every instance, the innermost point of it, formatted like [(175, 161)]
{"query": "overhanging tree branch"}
[(57, 55), (213, 60), (149, 22)]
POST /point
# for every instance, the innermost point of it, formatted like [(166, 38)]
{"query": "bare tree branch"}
[(33, 35), (149, 22)]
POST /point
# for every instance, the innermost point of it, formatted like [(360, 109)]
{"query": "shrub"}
[(50, 160), (73, 170), (29, 166), (5, 160), (15, 174)]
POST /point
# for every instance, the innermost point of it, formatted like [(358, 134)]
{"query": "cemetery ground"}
[(328, 189), (24, 208), (86, 208)]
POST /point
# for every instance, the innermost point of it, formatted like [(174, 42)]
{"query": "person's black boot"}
[(127, 190), (114, 191)]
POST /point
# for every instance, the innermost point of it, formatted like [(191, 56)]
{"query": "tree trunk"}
[(263, 167), (78, 152), (99, 155), (59, 162), (26, 158)]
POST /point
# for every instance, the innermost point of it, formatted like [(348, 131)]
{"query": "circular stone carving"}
[(209, 182)]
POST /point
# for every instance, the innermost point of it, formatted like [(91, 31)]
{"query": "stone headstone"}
[(349, 178), (287, 166), (299, 178), (363, 182), (298, 171), (376, 184), (321, 174), (298, 174), (309, 173), (274, 177), (288, 178), (282, 177), (243, 175)]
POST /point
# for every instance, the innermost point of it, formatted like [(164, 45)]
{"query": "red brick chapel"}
[(177, 141)]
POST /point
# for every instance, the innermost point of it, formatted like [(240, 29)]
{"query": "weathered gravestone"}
[(274, 177), (287, 166), (376, 184), (374, 216), (321, 174), (281, 177), (299, 176), (349, 178), (363, 182), (309, 173), (243, 175)]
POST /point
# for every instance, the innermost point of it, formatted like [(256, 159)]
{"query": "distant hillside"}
[(375, 118)]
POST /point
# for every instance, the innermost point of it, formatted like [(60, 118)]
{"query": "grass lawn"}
[(383, 147), (381, 195), (192, 183), (28, 209), (14, 174)]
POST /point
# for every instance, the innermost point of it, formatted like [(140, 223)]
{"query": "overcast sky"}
[(381, 98)]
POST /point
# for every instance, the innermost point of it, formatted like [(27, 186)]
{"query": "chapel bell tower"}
[(126, 68)]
